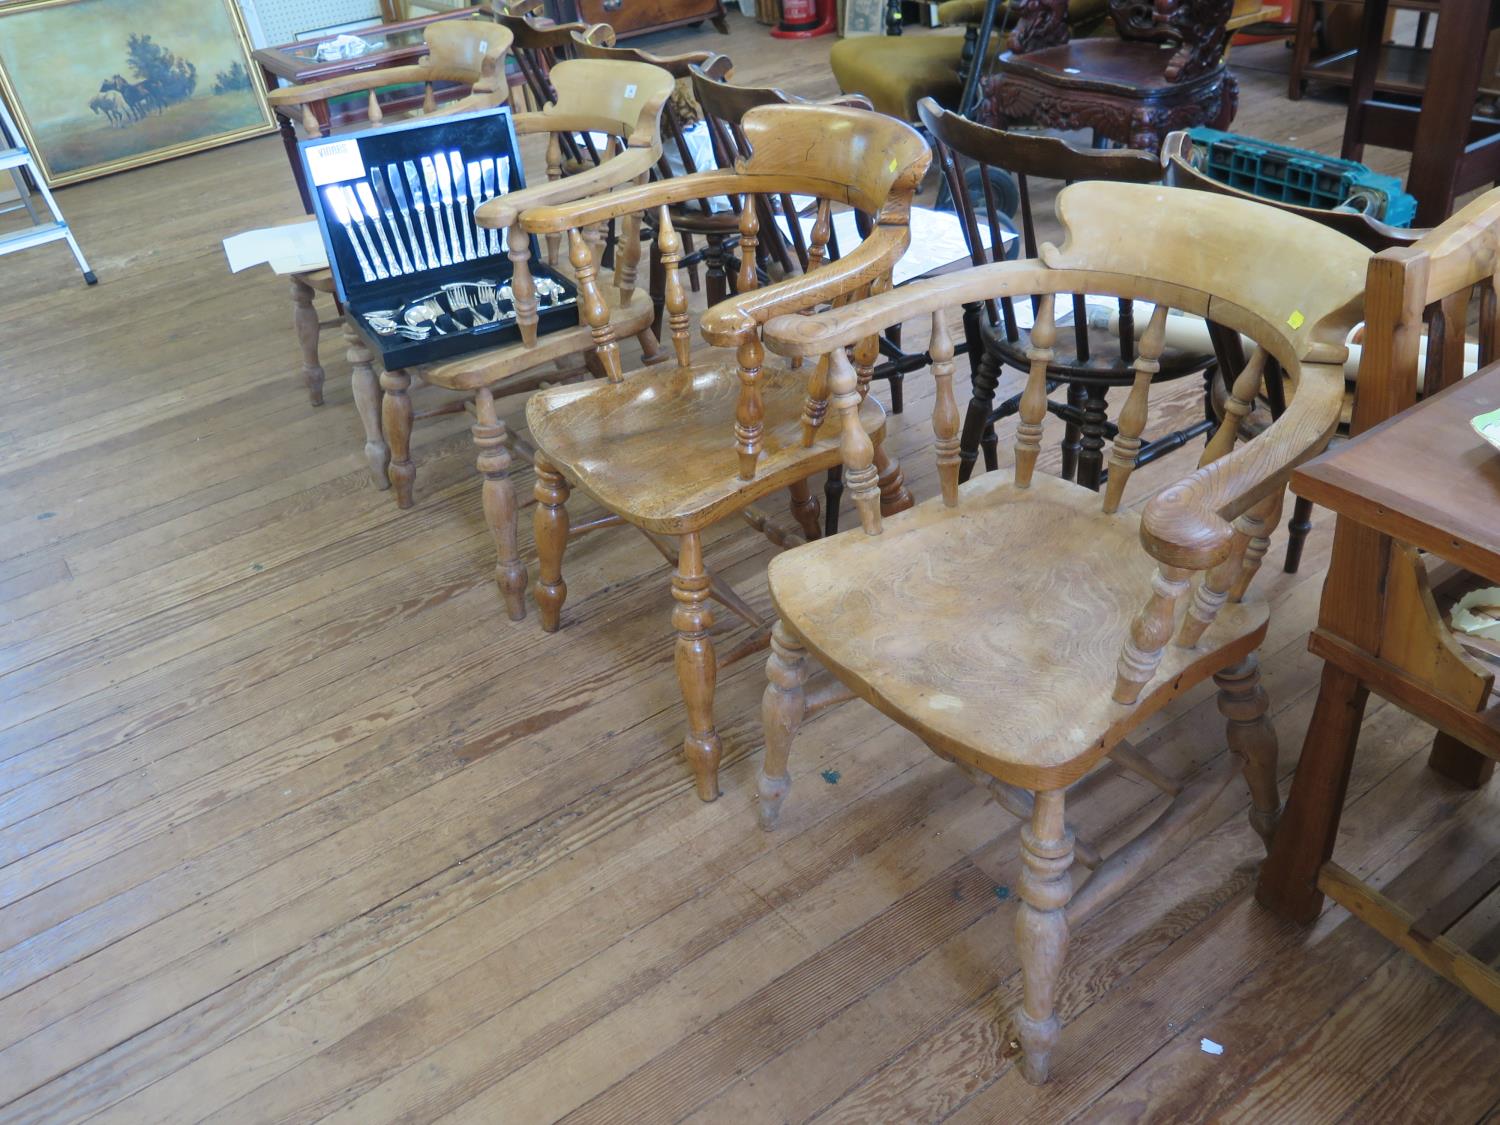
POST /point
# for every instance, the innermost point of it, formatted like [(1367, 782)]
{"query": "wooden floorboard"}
[(295, 825)]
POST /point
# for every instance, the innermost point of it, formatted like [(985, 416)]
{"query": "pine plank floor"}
[(295, 825)]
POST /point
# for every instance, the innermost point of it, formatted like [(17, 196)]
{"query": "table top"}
[(392, 44), (1423, 477)]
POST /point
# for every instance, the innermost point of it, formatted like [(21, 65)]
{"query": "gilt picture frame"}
[(101, 86)]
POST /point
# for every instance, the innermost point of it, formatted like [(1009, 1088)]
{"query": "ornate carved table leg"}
[(366, 389), (305, 320)]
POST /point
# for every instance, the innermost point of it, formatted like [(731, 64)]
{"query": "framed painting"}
[(99, 86)]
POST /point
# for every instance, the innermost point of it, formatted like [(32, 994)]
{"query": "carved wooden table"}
[(1423, 480)]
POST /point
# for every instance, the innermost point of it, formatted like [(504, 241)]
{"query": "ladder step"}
[(32, 236), (10, 157)]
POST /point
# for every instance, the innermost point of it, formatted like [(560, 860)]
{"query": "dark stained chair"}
[(1088, 361), (1129, 90)]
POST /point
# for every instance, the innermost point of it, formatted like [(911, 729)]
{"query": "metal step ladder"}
[(16, 159)]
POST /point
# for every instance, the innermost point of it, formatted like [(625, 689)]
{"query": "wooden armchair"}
[(673, 450), (1105, 615), (470, 52), (1129, 89), (624, 102), (1087, 361)]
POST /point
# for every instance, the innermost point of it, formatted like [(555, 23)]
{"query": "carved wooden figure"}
[(673, 449), (1029, 687)]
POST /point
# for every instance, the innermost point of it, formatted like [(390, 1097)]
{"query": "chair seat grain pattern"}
[(1013, 677), (653, 446)]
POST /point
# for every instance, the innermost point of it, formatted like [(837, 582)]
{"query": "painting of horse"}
[(100, 86)]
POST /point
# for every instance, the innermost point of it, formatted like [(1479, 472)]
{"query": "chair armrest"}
[(348, 84), (678, 189), (729, 321), (1187, 525), (622, 168)]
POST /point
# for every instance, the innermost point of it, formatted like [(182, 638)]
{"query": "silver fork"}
[(459, 301), (489, 296)]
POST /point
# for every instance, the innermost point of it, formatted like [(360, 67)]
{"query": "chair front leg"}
[(1042, 931), (1252, 738), (305, 320), (697, 668), (499, 497), (396, 413), (365, 387), (550, 524), (781, 710)]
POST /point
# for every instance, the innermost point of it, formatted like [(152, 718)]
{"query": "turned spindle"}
[(1034, 398)]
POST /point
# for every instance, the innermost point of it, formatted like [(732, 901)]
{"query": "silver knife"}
[(461, 195), (352, 203), (487, 179), (421, 205), (367, 201), (377, 181), (429, 178), (476, 193), (394, 174), (335, 203), (445, 187), (502, 187)]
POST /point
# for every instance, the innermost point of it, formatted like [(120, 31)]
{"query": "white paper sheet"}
[(937, 238), (295, 248)]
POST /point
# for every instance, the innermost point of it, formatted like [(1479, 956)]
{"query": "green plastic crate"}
[(1295, 175)]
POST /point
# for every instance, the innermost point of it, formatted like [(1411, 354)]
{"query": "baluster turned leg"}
[(1296, 533), (305, 320), (697, 669), (396, 413), (1072, 443), (1252, 738), (833, 497), (781, 710), (499, 497), (894, 495), (365, 386), (805, 510), (550, 525), (976, 420), (1042, 931), (1091, 451)]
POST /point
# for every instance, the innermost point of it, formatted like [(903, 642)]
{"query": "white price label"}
[(335, 162), (630, 91), (484, 46)]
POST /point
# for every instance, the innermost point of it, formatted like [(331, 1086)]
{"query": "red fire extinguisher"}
[(805, 19)]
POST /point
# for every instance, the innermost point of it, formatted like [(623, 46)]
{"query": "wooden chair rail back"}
[(1215, 522), (468, 52), (837, 154), (626, 99), (457, 47), (724, 107), (1429, 284)]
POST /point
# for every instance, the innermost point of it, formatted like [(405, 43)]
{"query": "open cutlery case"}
[(421, 280)]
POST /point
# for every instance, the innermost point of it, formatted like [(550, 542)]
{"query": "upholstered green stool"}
[(896, 72)]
